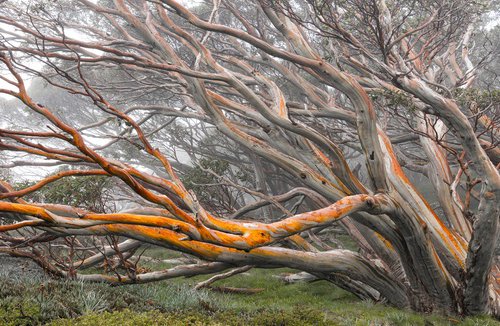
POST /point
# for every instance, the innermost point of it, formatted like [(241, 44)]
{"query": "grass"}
[(38, 301)]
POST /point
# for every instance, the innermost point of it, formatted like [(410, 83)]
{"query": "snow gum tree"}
[(339, 102)]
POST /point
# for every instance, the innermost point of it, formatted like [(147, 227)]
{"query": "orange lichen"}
[(384, 240)]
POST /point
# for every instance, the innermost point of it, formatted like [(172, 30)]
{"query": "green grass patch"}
[(28, 300)]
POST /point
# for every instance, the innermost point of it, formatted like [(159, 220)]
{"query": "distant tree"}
[(89, 193)]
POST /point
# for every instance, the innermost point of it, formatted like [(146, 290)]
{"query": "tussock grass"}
[(28, 300)]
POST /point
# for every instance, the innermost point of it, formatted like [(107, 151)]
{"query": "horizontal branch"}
[(254, 235)]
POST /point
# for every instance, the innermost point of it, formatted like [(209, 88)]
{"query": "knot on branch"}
[(370, 202), (378, 204)]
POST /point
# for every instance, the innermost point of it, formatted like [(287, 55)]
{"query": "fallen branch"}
[(228, 289), (222, 276)]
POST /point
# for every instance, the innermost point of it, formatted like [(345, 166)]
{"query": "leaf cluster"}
[(86, 192)]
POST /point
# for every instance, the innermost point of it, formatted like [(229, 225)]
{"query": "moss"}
[(127, 317), (269, 317), (17, 311)]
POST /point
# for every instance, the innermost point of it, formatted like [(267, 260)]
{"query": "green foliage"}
[(86, 192), (17, 311), (27, 300), (265, 317), (477, 99), (198, 176), (395, 99), (35, 300), (128, 317)]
